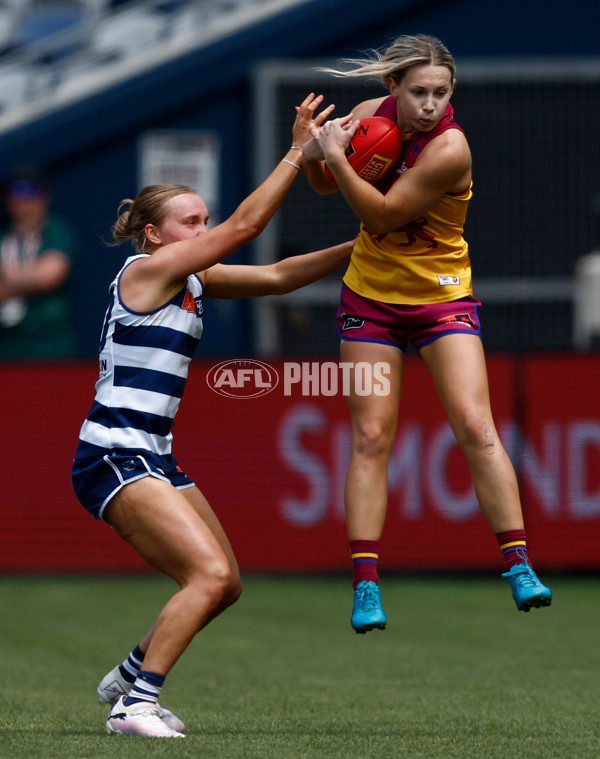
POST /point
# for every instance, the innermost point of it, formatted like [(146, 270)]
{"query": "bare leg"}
[(457, 366), (177, 533), (374, 424)]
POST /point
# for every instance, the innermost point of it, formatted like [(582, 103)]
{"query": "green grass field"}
[(458, 673)]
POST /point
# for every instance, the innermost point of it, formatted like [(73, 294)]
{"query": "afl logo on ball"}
[(242, 378)]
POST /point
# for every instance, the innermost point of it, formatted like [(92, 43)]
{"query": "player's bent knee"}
[(230, 586), (372, 440), (223, 585), (234, 592)]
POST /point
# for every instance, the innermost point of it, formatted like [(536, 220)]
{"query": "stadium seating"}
[(46, 45), (11, 13)]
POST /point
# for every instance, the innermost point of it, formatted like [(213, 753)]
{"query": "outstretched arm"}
[(254, 213), (150, 282), (239, 281)]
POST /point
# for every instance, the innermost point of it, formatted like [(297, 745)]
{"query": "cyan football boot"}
[(527, 590), (367, 613)]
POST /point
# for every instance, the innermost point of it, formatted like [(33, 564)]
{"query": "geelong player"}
[(409, 281), (124, 470)]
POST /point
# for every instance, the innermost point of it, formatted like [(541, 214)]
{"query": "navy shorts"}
[(367, 320), (97, 479)]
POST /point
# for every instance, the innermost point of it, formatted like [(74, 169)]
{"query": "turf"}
[(458, 673)]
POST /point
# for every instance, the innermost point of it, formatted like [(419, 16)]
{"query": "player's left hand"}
[(307, 118)]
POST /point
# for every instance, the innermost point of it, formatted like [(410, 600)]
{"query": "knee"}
[(478, 434), (373, 439), (233, 589), (224, 585)]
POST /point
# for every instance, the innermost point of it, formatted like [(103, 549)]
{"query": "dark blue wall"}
[(90, 149)]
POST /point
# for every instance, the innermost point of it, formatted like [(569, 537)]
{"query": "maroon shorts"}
[(367, 320)]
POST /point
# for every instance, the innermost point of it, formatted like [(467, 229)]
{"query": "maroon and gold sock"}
[(513, 544), (365, 555)]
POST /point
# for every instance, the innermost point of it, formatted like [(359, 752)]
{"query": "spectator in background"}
[(37, 253)]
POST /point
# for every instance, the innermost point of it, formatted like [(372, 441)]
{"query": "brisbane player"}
[(409, 281)]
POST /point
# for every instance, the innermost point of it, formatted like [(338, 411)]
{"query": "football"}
[(374, 149)]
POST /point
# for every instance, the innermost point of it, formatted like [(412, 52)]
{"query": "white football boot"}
[(142, 718), (113, 686)]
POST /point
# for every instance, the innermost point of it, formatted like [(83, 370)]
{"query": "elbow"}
[(281, 288), (280, 280), (249, 229), (325, 189), (377, 229), (254, 226), (278, 285), (382, 220), (248, 221), (377, 226)]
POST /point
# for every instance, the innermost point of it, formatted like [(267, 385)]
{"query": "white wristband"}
[(291, 163)]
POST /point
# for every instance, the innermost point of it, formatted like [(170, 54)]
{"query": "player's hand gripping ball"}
[(373, 150)]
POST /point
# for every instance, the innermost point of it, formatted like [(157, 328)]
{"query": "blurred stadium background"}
[(108, 95)]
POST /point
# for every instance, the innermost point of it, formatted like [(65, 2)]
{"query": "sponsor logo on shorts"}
[(446, 280), (465, 319), (352, 322)]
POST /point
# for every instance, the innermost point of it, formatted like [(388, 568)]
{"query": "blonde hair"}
[(404, 53), (147, 208)]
